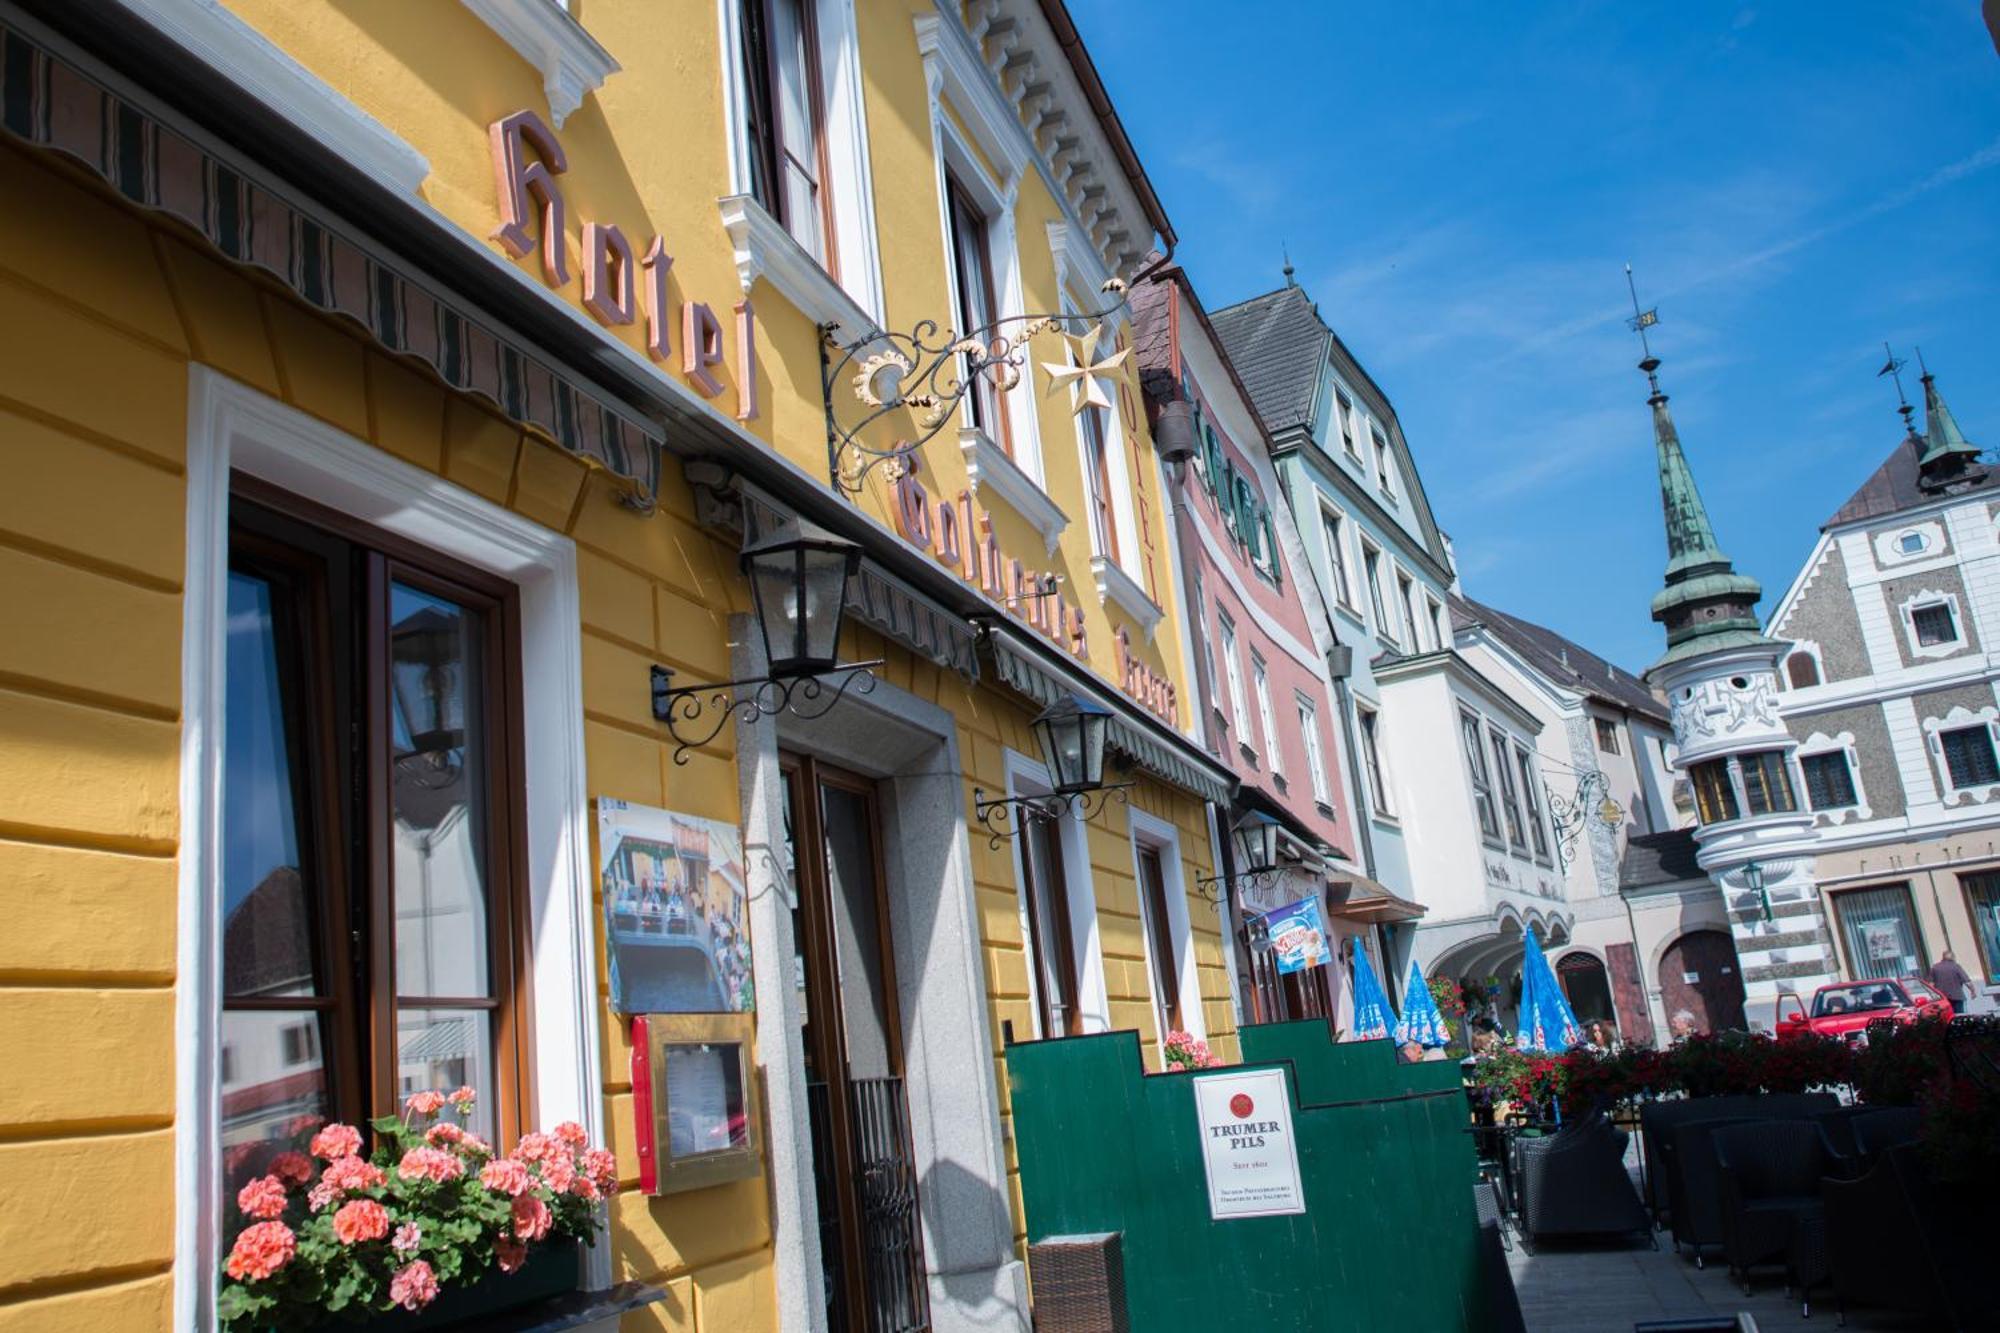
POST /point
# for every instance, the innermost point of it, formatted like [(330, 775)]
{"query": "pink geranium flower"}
[(260, 1251), (510, 1252), (504, 1175), (444, 1134), (602, 1168), (463, 1099), (408, 1237), (531, 1217), (322, 1196), (432, 1164), (583, 1187), (537, 1147), (559, 1173), (414, 1286), (350, 1175), (263, 1197), (335, 1142), (362, 1219), (294, 1168), (572, 1133), (424, 1103)]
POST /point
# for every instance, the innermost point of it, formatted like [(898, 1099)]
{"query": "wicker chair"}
[(1876, 1240), (1769, 1174), (1656, 1120), (1694, 1184), (1575, 1184)]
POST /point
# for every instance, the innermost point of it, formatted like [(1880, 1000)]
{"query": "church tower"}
[(1719, 675)]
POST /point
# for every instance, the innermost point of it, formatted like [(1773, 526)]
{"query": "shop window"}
[(1934, 624), (1982, 902), (370, 804), (1968, 756), (1160, 939), (1714, 793), (1531, 792), (1767, 783), (1829, 780), (974, 304), (1482, 787), (1801, 670), (1879, 930), (785, 114), (1607, 735), (1371, 754)]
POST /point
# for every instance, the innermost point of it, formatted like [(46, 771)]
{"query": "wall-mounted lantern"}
[(1071, 734), (1753, 880), (798, 575), (1254, 839)]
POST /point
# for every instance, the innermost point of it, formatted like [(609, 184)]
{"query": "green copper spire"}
[(1705, 604), (1942, 438)]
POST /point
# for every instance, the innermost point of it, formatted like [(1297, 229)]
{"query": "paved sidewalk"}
[(1608, 1288)]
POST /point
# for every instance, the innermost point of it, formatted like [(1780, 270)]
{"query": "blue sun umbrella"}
[(1373, 1018), (1547, 1021), (1422, 1022)]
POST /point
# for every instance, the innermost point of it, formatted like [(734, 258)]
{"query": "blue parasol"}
[(1422, 1022), (1373, 1018), (1547, 1021)]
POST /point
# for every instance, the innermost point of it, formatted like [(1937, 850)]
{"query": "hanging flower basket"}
[(435, 1227)]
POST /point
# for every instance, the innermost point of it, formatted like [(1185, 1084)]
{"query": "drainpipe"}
[(1339, 661)]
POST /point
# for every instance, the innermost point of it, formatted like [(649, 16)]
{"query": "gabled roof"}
[(1562, 660), (1659, 858), (1897, 485), (1278, 345)]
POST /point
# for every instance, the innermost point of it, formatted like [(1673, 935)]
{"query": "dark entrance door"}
[(870, 1246), (1699, 973)]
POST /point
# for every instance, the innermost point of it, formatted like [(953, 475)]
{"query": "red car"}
[(1846, 1008)]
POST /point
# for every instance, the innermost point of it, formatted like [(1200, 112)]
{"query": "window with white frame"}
[(1346, 414), (1510, 796), (785, 116), (1260, 680), (1406, 592), (1439, 638), (975, 305), (1531, 796), (1096, 451), (1382, 464), (1335, 529), (1239, 711), (1482, 786), (1371, 758), (1829, 780), (1371, 568), (1933, 624), (1968, 756), (1315, 757)]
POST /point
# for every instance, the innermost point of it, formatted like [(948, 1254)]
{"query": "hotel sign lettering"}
[(620, 284)]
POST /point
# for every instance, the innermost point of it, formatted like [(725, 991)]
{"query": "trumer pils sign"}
[(1247, 1144)]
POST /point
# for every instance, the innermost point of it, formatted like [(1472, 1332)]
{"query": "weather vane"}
[(1641, 319), (1893, 367)]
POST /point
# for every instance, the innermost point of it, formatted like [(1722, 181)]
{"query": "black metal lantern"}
[(1256, 835), (1753, 880), (798, 585), (798, 575), (1071, 734)]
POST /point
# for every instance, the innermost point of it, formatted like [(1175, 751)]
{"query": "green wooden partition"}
[(1389, 1238)]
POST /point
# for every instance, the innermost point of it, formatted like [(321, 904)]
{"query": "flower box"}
[(548, 1272)]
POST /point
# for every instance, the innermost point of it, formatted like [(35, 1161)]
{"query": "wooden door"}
[(1699, 973)]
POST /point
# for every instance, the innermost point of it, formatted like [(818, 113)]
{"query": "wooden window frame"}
[(1714, 792), (971, 228), (1757, 769), (353, 841), (1094, 436), (1607, 734), (1166, 975), (766, 131), (1060, 929)]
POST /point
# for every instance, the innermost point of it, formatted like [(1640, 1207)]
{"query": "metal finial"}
[(1641, 321), (1286, 250), (1893, 368)]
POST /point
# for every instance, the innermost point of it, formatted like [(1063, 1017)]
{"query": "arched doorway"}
[(1699, 972), (1587, 987)]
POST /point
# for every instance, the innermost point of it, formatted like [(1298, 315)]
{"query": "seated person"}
[(1836, 1004)]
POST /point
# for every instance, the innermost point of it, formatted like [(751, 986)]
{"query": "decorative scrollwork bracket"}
[(1005, 816), (1215, 888), (928, 370), (682, 707)]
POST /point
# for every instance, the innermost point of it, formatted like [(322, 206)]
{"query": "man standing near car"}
[(1951, 981)]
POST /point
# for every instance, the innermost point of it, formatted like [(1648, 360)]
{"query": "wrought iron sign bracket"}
[(1214, 888), (929, 370), (1003, 816), (682, 707)]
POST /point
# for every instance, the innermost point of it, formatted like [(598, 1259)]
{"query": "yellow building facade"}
[(530, 311)]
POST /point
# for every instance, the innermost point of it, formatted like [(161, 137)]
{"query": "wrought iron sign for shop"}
[(1592, 804), (931, 369), (799, 575)]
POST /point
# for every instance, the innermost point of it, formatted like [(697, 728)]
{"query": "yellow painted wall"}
[(92, 436)]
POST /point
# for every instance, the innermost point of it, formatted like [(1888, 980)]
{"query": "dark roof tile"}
[(1894, 486), (1659, 858), (1563, 660), (1278, 344)]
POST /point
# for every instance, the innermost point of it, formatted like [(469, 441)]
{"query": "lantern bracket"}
[(1214, 888), (1004, 817), (683, 707)]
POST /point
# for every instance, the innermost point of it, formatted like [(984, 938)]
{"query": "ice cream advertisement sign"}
[(1247, 1144), (1298, 935)]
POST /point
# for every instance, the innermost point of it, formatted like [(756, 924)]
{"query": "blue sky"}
[(1461, 185)]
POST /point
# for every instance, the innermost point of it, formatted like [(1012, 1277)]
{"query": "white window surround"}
[(1080, 268), (1315, 752), (1819, 743), (1120, 589), (231, 426), (1958, 719), (855, 302), (988, 468), (213, 36), (1164, 838), (1260, 681), (1028, 777), (1929, 534), (1232, 671), (571, 62), (1906, 617), (1124, 514), (1809, 650)]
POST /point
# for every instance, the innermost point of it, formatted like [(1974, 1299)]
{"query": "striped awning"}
[(51, 105), (1022, 668)]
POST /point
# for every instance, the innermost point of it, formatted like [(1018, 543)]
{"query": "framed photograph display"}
[(694, 1093), (676, 914)]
